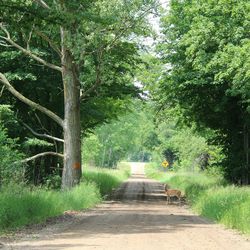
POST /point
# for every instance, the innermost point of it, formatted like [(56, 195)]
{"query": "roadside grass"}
[(107, 179), (21, 205), (211, 197), (229, 205)]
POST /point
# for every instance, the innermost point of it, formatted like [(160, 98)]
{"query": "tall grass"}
[(20, 205), (106, 179), (229, 205), (212, 197)]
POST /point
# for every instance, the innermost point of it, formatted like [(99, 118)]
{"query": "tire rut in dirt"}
[(140, 189)]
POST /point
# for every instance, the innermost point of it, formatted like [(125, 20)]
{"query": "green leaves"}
[(32, 142), (131, 137), (9, 155), (207, 45)]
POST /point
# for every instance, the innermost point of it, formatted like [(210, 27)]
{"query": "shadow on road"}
[(137, 214), (138, 188), (139, 207)]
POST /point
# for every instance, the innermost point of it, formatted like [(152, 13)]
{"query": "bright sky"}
[(155, 21), (149, 41)]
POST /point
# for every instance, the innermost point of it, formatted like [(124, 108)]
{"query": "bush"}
[(53, 181), (9, 155)]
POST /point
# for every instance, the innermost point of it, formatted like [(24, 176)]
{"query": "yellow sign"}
[(165, 163)]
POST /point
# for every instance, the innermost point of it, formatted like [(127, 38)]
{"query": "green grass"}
[(228, 205), (107, 179), (21, 205), (211, 197)]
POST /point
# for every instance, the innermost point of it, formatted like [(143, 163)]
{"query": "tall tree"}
[(73, 30), (205, 47)]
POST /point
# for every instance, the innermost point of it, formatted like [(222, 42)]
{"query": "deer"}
[(172, 193)]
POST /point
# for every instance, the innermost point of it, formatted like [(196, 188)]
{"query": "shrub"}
[(9, 169)]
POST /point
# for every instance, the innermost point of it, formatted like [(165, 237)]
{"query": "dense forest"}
[(94, 83)]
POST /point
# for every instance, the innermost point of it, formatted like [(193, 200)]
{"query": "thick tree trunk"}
[(72, 130)]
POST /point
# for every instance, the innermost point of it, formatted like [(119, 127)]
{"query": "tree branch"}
[(47, 39), (98, 78), (39, 155), (42, 3), (2, 90), (29, 38), (41, 124), (32, 104), (118, 35), (131, 23), (27, 52), (42, 135), (5, 44)]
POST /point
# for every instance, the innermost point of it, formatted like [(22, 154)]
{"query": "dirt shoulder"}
[(138, 217)]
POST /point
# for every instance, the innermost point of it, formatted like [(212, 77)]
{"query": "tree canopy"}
[(73, 70), (204, 49), (88, 53)]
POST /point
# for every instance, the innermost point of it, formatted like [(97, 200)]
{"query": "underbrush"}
[(21, 205), (211, 197)]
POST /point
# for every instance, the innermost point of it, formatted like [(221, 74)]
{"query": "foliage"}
[(9, 168), (7, 119), (149, 73), (100, 39), (131, 137), (36, 142), (206, 74), (91, 147), (150, 138), (53, 181), (183, 146)]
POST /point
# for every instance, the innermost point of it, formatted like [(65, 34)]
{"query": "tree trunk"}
[(72, 130), (245, 170)]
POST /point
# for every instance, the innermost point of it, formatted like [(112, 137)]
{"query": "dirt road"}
[(138, 218)]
